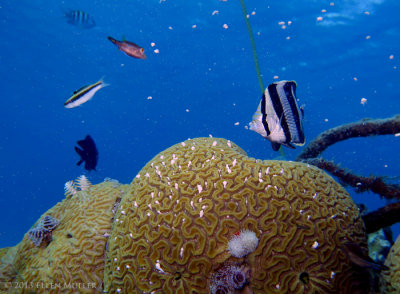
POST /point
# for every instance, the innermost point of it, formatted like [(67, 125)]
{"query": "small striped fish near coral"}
[(43, 231), (82, 183)]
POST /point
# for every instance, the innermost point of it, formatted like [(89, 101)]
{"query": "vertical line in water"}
[(253, 45)]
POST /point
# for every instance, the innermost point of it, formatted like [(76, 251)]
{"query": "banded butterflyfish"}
[(278, 118)]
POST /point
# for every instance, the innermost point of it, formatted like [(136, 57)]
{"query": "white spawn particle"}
[(199, 188), (234, 162), (228, 169), (130, 235), (190, 163), (123, 212), (309, 217), (138, 176), (315, 245), (333, 275), (282, 171), (181, 252), (267, 171), (201, 213), (119, 290), (115, 259), (277, 286), (158, 266), (192, 148), (176, 186), (224, 183), (191, 204), (214, 143), (183, 144), (229, 144), (148, 214), (136, 205), (315, 195), (301, 211)]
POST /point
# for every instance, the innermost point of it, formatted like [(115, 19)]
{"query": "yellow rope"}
[(253, 47)]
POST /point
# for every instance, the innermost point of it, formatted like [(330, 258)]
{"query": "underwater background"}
[(199, 79)]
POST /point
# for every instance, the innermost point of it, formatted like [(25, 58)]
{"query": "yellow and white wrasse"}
[(84, 94)]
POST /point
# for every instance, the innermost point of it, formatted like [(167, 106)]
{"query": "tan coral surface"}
[(391, 278), (73, 262), (172, 228)]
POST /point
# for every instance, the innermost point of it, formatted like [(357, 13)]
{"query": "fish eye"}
[(141, 50)]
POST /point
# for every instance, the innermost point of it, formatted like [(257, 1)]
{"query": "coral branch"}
[(380, 218), (362, 128), (362, 184), (383, 217)]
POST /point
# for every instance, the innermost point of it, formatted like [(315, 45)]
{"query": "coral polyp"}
[(228, 279), (242, 243), (42, 232)]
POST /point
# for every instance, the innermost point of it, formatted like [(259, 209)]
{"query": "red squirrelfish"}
[(129, 48)]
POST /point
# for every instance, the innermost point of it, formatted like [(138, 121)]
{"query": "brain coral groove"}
[(171, 230)]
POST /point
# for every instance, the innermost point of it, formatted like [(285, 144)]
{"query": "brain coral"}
[(391, 278), (75, 256), (171, 231)]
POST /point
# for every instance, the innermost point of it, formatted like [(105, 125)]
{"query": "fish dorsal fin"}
[(80, 89)]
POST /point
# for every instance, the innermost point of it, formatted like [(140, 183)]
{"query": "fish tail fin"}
[(103, 84), (64, 11)]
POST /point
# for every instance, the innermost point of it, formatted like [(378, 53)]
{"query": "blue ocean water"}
[(199, 79)]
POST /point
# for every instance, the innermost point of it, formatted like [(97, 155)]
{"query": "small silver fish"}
[(129, 48), (80, 19), (84, 94), (278, 117)]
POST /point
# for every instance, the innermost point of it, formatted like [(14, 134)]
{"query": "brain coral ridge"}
[(390, 279), (172, 228), (76, 253)]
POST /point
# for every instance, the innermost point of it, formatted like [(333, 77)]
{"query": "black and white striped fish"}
[(278, 117), (80, 19), (84, 94)]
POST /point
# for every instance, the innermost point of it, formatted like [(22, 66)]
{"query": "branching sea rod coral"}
[(172, 229), (377, 184)]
